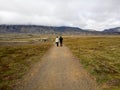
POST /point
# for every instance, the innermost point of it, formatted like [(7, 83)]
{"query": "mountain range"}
[(113, 30), (53, 30)]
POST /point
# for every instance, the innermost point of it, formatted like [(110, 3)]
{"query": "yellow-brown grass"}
[(100, 56), (15, 60)]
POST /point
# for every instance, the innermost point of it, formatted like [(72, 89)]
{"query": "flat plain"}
[(18, 53), (100, 55)]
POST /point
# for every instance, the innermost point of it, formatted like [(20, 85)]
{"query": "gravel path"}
[(58, 70)]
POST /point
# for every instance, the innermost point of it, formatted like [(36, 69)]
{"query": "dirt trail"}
[(58, 70)]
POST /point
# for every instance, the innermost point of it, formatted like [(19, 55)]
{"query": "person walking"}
[(57, 41), (61, 41)]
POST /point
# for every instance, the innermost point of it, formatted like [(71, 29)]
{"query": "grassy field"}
[(100, 56), (24, 37), (16, 59)]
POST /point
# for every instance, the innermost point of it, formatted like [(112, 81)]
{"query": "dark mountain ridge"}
[(113, 30), (47, 30)]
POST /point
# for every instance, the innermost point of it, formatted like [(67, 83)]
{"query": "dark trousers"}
[(57, 44), (61, 43)]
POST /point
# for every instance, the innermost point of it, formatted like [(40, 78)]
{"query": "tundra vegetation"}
[(17, 57), (100, 56)]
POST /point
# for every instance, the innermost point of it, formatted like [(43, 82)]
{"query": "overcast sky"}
[(86, 14)]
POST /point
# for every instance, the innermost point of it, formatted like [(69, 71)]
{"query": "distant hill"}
[(47, 30), (36, 29), (113, 30)]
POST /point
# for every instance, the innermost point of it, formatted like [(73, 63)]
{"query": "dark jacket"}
[(61, 39)]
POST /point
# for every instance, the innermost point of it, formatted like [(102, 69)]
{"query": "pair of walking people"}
[(59, 40)]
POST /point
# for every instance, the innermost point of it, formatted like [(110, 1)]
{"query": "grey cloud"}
[(93, 14)]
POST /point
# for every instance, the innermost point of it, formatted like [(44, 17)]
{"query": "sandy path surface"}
[(58, 70)]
